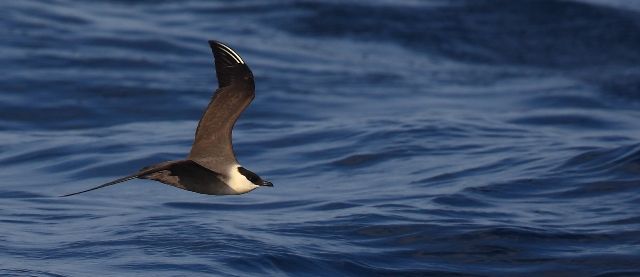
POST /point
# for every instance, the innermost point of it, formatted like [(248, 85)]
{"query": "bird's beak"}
[(266, 184)]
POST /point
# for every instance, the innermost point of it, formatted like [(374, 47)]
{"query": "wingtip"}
[(213, 44), (224, 54)]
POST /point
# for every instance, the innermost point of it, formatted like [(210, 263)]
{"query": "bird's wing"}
[(140, 174), (212, 146)]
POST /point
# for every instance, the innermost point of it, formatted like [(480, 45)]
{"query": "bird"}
[(211, 166)]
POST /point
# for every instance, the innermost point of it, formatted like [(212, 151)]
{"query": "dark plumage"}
[(211, 167)]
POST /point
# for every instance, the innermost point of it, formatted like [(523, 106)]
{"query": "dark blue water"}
[(404, 138)]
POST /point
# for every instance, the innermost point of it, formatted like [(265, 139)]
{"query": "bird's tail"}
[(143, 172)]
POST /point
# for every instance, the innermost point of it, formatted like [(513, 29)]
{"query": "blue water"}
[(404, 138)]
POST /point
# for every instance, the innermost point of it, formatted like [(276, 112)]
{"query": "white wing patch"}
[(231, 53)]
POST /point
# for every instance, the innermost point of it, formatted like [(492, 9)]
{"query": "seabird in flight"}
[(211, 167)]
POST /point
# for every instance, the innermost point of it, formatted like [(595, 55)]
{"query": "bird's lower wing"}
[(145, 171)]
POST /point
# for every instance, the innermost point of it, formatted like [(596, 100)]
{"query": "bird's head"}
[(254, 178)]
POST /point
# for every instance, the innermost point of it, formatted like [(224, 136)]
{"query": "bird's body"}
[(190, 175), (211, 167)]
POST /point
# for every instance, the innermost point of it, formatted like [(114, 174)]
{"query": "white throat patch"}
[(237, 182)]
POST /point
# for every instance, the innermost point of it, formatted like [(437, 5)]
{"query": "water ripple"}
[(412, 138)]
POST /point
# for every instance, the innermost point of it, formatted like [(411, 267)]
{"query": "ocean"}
[(403, 138)]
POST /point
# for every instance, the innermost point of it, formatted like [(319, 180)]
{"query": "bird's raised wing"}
[(212, 146)]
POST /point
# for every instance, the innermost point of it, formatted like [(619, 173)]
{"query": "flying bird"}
[(211, 167)]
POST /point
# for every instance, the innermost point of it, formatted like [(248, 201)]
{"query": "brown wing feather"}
[(212, 146), (150, 170)]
